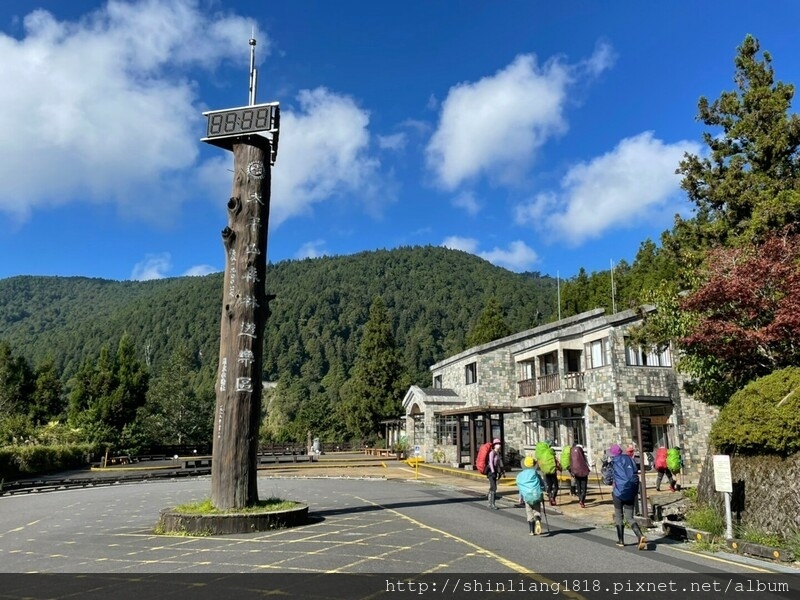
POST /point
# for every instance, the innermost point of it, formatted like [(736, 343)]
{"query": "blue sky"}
[(541, 136)]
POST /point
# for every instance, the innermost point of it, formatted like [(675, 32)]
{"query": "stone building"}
[(577, 380)]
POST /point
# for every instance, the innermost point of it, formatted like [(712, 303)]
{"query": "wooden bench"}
[(195, 462), (379, 452)]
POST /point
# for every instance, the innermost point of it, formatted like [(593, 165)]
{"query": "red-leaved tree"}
[(746, 314)]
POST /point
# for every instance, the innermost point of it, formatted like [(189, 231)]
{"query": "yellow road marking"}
[(723, 560), (414, 472), (480, 550)]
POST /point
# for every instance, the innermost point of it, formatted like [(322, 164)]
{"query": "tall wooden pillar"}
[(244, 313)]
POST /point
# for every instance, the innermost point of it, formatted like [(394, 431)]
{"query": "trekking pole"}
[(544, 512), (599, 483)]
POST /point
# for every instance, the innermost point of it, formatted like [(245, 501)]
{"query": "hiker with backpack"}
[(579, 468), (625, 480), (489, 462), (548, 464), (662, 469), (530, 485)]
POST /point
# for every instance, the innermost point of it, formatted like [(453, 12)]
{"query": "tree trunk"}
[(244, 313)]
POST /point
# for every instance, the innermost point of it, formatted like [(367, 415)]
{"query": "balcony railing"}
[(574, 381), (544, 384), (527, 387), (548, 383)]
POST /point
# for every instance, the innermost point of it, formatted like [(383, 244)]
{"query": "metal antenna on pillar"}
[(253, 72)]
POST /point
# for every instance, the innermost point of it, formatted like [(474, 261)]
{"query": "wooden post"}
[(244, 313)]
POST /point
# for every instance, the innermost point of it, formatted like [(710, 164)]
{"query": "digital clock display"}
[(241, 121)]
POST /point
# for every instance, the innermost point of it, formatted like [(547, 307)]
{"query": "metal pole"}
[(599, 483), (642, 472), (728, 516), (253, 74), (544, 512)]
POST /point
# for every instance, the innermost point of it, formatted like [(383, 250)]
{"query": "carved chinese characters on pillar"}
[(242, 330)]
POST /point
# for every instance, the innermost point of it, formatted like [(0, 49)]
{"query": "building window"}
[(575, 426), (551, 419), (637, 356), (471, 373), (597, 354), (530, 428), (419, 428), (437, 382), (446, 426)]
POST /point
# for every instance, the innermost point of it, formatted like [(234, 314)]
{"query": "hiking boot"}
[(530, 527), (620, 544), (642, 543), (537, 528), (672, 488), (582, 504), (658, 489)]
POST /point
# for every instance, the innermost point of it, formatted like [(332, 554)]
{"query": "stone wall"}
[(765, 492)]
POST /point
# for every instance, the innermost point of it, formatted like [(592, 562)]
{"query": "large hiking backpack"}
[(482, 460), (565, 457), (674, 461), (546, 458), (661, 459), (626, 479), (579, 466), (529, 485)]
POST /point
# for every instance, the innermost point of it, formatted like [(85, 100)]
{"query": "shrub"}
[(762, 418), (20, 461), (706, 518)]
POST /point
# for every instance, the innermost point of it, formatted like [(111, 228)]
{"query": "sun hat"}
[(529, 462), (615, 450), (496, 441)]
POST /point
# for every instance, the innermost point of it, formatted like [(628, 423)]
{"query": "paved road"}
[(357, 525)]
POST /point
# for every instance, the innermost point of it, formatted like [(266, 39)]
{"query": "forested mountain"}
[(433, 297)]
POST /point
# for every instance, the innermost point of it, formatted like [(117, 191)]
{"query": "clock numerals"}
[(241, 120)]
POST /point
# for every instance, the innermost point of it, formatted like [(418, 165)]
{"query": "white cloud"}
[(625, 187), (104, 109), (516, 257), (154, 266), (496, 125), (322, 153), (201, 270), (396, 141), (468, 202), (312, 249), (460, 243)]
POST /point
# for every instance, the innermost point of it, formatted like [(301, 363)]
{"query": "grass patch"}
[(690, 493), (205, 507), (757, 536), (706, 518), (793, 544)]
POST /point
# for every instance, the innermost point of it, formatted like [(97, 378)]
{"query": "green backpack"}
[(546, 458), (565, 454), (674, 461)]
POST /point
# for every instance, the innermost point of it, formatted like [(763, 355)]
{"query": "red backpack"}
[(661, 459), (482, 460)]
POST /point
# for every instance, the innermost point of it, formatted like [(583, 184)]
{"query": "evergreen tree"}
[(48, 403), (16, 382), (375, 389), (173, 413), (490, 326), (749, 185)]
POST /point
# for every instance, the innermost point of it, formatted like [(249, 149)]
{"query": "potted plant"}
[(400, 447)]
